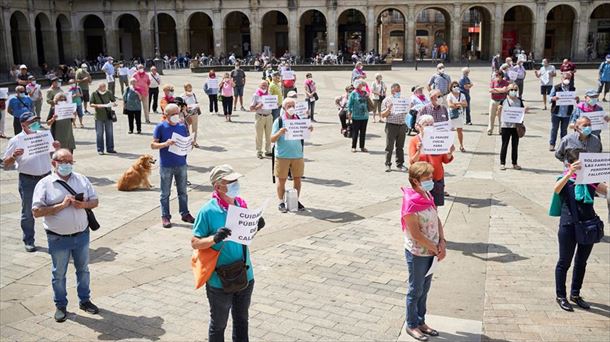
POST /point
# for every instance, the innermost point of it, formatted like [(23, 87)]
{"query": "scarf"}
[(260, 92), (225, 205), (581, 194), (413, 202), (583, 106), (421, 97)]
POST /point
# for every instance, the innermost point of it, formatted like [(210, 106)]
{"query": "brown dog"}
[(136, 177)]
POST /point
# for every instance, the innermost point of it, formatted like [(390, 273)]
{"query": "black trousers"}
[(359, 129), (16, 125), (137, 116), (343, 119), (395, 135), (509, 134), (153, 98), (227, 105), (213, 103)]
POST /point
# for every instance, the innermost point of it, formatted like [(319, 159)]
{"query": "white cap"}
[(23, 66)]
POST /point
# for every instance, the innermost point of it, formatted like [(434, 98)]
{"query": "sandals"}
[(462, 149)]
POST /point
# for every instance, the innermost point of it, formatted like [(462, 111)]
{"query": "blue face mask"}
[(592, 102), (35, 126), (64, 169), (586, 130), (233, 189), (427, 185), (397, 95)]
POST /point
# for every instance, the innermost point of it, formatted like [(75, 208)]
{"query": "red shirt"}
[(568, 67), (437, 161), (498, 84)]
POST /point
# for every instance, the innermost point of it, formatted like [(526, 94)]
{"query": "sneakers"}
[(30, 248), (388, 168), (61, 315), (89, 307), (188, 218), (301, 207), (502, 167), (260, 156), (282, 207), (580, 302), (243, 109), (166, 222), (551, 148), (402, 168), (112, 152)]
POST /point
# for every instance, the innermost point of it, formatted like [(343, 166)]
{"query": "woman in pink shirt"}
[(226, 92), (311, 94), (141, 87)]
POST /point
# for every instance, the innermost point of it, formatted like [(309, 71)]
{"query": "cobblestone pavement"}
[(336, 272)]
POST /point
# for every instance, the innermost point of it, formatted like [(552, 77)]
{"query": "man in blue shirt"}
[(18, 105), (604, 77), (288, 154), (172, 165)]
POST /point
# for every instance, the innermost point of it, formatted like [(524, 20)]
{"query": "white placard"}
[(597, 120), (269, 101), (595, 168), (68, 96), (3, 93), (544, 78), (243, 223), (443, 126), (109, 78), (192, 106), (212, 83), (565, 98), (287, 75), (512, 114), (512, 75), (182, 145), (432, 267), (400, 105), (297, 129), (301, 109), (437, 142), (65, 110), (35, 144)]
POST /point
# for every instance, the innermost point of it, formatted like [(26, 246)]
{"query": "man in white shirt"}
[(123, 77), (31, 170), (153, 89), (108, 69), (35, 94), (66, 224), (545, 74)]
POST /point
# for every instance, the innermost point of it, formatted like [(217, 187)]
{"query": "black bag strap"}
[(23, 103), (68, 187), (245, 249)]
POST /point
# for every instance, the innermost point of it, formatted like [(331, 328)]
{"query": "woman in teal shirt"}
[(358, 112)]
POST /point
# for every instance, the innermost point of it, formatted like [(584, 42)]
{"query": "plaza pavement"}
[(336, 272)]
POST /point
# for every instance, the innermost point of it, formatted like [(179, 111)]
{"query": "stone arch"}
[(313, 33), (201, 33), (130, 41), (94, 36), (45, 49), (436, 21), (63, 28), (20, 37), (237, 33), (168, 37), (351, 28), (559, 32), (476, 32), (518, 29), (275, 32), (598, 37), (391, 32)]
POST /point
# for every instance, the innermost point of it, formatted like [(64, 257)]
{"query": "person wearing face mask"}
[(18, 105), (209, 231), (172, 165), (153, 90), (103, 101), (142, 87), (168, 96), (191, 111), (358, 71), (509, 129), (67, 228), (417, 102), (31, 169), (520, 72), (210, 87), (590, 104), (604, 77), (226, 91), (568, 66), (77, 99), (545, 74), (395, 130), (62, 129), (132, 106), (263, 120), (415, 154), (560, 115), (465, 85), (83, 79), (573, 203), (456, 101), (581, 139), (424, 240), (239, 80), (35, 93), (440, 81), (498, 89), (123, 77), (311, 95), (378, 89), (275, 88), (358, 113), (54, 90), (435, 108), (109, 70)]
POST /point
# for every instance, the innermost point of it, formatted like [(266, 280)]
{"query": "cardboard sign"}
[(297, 129), (437, 142), (287, 75), (65, 110), (269, 101), (213, 83), (36, 144), (183, 145), (400, 106), (443, 126), (597, 120), (566, 98), (243, 223), (595, 168), (4, 93), (301, 109), (512, 114)]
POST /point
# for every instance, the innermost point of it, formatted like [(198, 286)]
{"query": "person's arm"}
[(49, 98), (275, 137), (553, 95), (52, 209), (564, 180), (602, 188), (442, 243), (414, 152), (388, 109), (156, 145), (90, 204), (412, 222)]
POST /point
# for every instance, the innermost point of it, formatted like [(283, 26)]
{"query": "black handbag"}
[(93, 224), (587, 232), (234, 276)]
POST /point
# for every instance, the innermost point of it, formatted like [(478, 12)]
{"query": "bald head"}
[(63, 155)]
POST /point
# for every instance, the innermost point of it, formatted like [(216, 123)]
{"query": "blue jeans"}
[(312, 106), (468, 119), (27, 184), (101, 128), (419, 285), (220, 305), (556, 122), (276, 113), (61, 248), (167, 175), (567, 247)]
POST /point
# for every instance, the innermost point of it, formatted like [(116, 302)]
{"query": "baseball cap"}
[(417, 87), (291, 93), (27, 116), (31, 77), (592, 93), (275, 73), (23, 66), (225, 172), (54, 79)]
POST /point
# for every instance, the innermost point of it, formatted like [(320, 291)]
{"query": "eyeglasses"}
[(59, 161)]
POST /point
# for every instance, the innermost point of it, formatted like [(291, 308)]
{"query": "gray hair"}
[(58, 153), (172, 108), (425, 119), (465, 70), (358, 83), (288, 100), (59, 96)]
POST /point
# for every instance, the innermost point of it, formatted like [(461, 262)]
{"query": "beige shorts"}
[(296, 166)]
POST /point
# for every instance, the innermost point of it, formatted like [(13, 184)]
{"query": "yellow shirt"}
[(276, 89)]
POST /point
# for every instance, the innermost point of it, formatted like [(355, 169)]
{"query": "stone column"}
[(6, 59), (255, 32), (181, 33), (51, 53), (370, 29), (410, 34), (146, 36), (112, 47), (497, 25), (579, 40), (31, 53), (539, 31), (219, 34), (455, 50), (294, 26), (331, 31)]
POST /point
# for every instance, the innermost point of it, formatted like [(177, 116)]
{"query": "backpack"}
[(280, 125)]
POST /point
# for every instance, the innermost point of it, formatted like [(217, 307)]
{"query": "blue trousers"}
[(27, 184), (558, 122), (419, 285), (104, 128), (220, 305), (167, 175)]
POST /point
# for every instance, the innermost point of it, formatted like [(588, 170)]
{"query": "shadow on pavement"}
[(600, 309), (330, 182), (478, 202), (212, 148), (101, 254), (100, 181), (542, 171), (464, 337), (475, 248), (333, 216), (116, 326)]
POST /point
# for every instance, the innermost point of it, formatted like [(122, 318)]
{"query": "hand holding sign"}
[(595, 168), (181, 145), (512, 114), (269, 102), (243, 223), (65, 110)]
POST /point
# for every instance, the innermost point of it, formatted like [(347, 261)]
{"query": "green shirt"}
[(101, 114), (276, 89), (51, 95), (82, 74)]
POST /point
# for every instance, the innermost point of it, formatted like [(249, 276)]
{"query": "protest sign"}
[(400, 106), (213, 83), (65, 110), (437, 142), (287, 75), (297, 129), (269, 101), (512, 75), (182, 145), (597, 120), (566, 98), (243, 223), (4, 93), (433, 266), (512, 114), (301, 108), (595, 168), (35, 144), (443, 126)]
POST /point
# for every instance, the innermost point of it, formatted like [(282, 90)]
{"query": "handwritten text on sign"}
[(243, 223), (65, 111), (297, 129), (301, 108), (269, 101), (597, 120), (182, 145), (512, 114), (566, 98), (400, 106), (443, 126), (36, 143), (288, 75), (437, 142), (595, 168)]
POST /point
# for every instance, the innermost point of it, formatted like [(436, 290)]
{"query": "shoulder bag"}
[(587, 232), (93, 224), (203, 263), (520, 126), (234, 276)]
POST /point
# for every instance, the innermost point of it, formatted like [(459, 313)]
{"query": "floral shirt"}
[(428, 221)]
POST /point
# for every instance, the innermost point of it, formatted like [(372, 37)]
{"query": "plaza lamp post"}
[(157, 60)]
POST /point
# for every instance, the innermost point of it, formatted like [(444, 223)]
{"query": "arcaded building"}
[(57, 31)]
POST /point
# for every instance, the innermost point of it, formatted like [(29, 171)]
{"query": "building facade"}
[(57, 31)]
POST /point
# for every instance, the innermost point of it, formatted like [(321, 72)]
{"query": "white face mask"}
[(566, 82), (174, 119), (170, 94), (290, 111)]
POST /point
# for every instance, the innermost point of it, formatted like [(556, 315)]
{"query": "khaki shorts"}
[(296, 166)]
